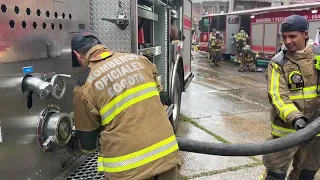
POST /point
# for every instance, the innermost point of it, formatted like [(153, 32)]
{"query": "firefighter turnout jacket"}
[(249, 55), (118, 95), (216, 43), (292, 85)]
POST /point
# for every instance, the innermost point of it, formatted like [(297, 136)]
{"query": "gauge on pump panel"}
[(296, 78)]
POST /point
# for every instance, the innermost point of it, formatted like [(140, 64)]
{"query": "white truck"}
[(37, 141)]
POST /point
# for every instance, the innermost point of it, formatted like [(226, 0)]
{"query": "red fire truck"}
[(262, 25)]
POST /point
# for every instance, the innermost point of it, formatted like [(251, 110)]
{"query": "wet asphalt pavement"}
[(226, 106)]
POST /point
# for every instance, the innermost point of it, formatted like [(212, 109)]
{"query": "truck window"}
[(214, 23), (233, 20), (205, 24), (221, 25)]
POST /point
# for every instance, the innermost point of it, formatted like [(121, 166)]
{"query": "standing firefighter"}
[(292, 90), (216, 46), (212, 35), (118, 98), (241, 41), (248, 62)]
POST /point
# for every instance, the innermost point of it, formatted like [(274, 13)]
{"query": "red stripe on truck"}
[(269, 49), (186, 22)]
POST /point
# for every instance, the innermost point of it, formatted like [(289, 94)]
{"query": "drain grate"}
[(87, 170)]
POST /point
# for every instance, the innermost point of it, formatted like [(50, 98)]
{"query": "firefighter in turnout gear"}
[(292, 81), (241, 41), (117, 97), (248, 62), (212, 34), (216, 46)]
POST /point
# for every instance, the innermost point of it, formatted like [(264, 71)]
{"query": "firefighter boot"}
[(216, 63), (307, 174), (242, 65), (236, 59), (273, 175)]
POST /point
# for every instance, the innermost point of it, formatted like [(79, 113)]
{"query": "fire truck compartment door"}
[(270, 38), (232, 28), (187, 25), (313, 26), (257, 37)]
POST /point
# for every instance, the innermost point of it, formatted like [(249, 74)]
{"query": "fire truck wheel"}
[(174, 118)]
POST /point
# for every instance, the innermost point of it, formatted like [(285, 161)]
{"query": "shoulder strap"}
[(316, 49), (279, 58)]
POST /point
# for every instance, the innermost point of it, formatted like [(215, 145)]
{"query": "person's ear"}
[(78, 56), (306, 35)]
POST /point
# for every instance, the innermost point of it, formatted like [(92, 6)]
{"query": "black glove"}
[(300, 123)]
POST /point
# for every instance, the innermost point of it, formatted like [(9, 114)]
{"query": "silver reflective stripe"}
[(302, 92), (138, 158), (290, 108), (126, 99), (279, 132)]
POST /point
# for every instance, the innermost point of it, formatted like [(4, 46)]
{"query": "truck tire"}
[(176, 100)]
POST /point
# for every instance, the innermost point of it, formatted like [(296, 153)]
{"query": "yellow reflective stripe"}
[(289, 108), (286, 130), (281, 131), (305, 93), (262, 176), (274, 90), (127, 99), (139, 158)]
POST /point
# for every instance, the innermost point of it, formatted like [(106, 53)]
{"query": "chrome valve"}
[(44, 88)]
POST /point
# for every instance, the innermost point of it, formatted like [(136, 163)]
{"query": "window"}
[(205, 24), (233, 20)]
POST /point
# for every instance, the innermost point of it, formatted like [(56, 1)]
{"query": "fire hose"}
[(251, 149)]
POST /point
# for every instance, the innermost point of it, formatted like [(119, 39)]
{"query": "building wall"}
[(250, 4)]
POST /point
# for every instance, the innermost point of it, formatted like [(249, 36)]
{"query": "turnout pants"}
[(247, 65), (215, 56), (305, 160), (172, 174)]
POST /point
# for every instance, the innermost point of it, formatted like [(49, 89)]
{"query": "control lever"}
[(48, 144)]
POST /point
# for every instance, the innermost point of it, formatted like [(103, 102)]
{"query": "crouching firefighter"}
[(216, 46), (118, 97), (248, 62), (292, 82)]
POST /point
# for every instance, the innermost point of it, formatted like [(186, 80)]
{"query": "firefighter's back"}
[(138, 141)]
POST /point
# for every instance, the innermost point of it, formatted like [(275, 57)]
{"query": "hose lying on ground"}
[(252, 149)]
